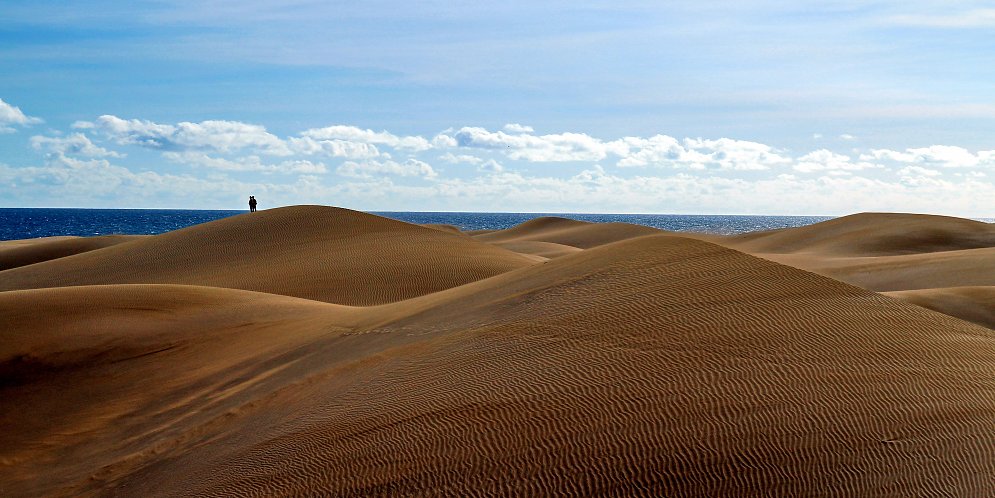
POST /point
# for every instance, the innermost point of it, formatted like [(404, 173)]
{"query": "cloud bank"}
[(113, 161)]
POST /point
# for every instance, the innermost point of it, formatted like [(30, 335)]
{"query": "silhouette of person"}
[(252, 204)]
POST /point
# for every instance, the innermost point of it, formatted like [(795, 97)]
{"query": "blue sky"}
[(749, 107)]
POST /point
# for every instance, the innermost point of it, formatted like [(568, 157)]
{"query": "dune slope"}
[(890, 253), (28, 252), (872, 234), (974, 304), (658, 365), (579, 234), (321, 253), (94, 378)]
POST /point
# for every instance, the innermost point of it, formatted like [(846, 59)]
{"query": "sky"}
[(623, 106)]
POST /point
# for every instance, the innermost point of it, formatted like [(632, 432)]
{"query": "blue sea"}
[(25, 223)]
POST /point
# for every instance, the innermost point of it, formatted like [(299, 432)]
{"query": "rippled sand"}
[(312, 350)]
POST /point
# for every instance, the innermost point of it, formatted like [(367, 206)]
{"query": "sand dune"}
[(579, 234), (548, 250), (96, 377), (974, 304), (873, 234), (656, 365), (22, 253), (444, 227), (326, 254), (888, 253), (970, 267)]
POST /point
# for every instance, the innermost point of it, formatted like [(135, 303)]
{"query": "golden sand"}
[(320, 351)]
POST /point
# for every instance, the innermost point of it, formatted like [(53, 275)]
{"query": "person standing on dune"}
[(252, 204)]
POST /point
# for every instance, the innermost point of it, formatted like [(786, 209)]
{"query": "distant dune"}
[(873, 234), (312, 252), (579, 234), (22, 253), (321, 351)]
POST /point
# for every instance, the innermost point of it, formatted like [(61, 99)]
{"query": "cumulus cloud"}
[(697, 153), (219, 136), (544, 148), (372, 168), (354, 134), (12, 115), (333, 148), (444, 141), (944, 156), (247, 163), (490, 166), (75, 144), (518, 128), (825, 160), (847, 137), (451, 158)]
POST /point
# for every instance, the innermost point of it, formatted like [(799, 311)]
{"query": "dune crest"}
[(579, 234), (872, 234), (22, 253), (313, 252), (657, 365), (889, 252)]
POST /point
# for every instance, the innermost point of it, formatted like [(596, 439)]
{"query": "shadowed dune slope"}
[(536, 248), (657, 366), (579, 234), (974, 304), (889, 252), (969, 267), (443, 227), (321, 253), (95, 377), (872, 234), (28, 252)]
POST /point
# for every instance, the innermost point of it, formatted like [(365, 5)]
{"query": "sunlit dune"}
[(553, 358), (321, 253), (579, 234), (28, 252)]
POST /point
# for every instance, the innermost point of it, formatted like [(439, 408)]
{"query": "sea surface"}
[(25, 223)]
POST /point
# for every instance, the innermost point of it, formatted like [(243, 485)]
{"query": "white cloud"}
[(918, 171), (545, 148), (12, 115), (369, 169), (490, 166), (76, 144), (354, 134), (334, 148), (696, 153), (944, 156), (825, 160), (518, 128), (220, 136), (247, 163), (847, 137), (451, 158), (443, 141)]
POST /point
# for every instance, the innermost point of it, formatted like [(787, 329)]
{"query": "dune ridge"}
[(325, 254), (873, 234), (22, 253), (566, 232), (894, 253), (655, 364)]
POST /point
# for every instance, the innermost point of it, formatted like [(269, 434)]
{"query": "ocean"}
[(25, 223)]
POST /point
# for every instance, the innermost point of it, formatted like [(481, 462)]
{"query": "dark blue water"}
[(722, 224), (25, 223)]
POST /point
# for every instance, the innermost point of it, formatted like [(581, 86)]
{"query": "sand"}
[(351, 355)]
